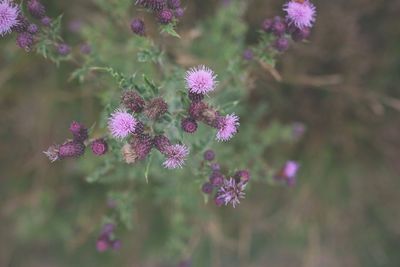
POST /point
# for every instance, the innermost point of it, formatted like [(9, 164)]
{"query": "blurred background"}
[(343, 85)]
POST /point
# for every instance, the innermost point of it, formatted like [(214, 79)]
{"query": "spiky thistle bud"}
[(196, 109), (242, 176), (71, 149), (132, 101), (137, 26), (36, 9), (155, 108), (165, 16), (209, 155), (207, 188), (79, 131), (281, 44), (25, 40), (189, 125), (99, 147), (142, 146), (161, 142)]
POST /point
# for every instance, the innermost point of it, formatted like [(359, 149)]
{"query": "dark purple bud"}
[(165, 16), (46, 21), (132, 101), (218, 201), (281, 44), (79, 131), (248, 54), (116, 244), (86, 49), (99, 147), (278, 28), (155, 108), (161, 142), (207, 188), (195, 97), (142, 146), (179, 12), (216, 178), (63, 49), (25, 41), (196, 109), (36, 9), (139, 128), (102, 245), (242, 176), (301, 34), (33, 28), (71, 149), (267, 25), (189, 125), (107, 229), (22, 24), (215, 167), (137, 26), (174, 4), (209, 155)]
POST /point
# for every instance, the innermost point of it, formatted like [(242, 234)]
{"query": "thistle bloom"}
[(300, 13), (8, 16), (288, 172), (200, 80), (231, 192), (176, 156), (227, 127), (121, 124)]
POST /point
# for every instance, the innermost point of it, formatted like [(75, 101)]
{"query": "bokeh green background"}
[(343, 85)]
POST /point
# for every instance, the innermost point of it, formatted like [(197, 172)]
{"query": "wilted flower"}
[(8, 16), (227, 127), (176, 156), (300, 13), (121, 124), (200, 80), (231, 192), (52, 153)]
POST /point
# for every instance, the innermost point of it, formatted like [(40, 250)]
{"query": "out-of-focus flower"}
[(207, 188), (25, 40), (176, 156), (36, 9), (209, 155), (46, 21), (165, 16), (137, 26), (288, 172), (63, 49), (71, 149), (227, 127), (79, 131), (281, 44), (248, 54)]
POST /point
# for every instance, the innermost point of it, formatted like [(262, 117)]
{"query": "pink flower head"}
[(231, 192), (176, 156), (290, 169), (227, 127), (8, 16), (121, 124), (301, 13), (200, 80)]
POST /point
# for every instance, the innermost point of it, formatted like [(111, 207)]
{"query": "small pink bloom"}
[(300, 13), (8, 16), (227, 127), (121, 124)]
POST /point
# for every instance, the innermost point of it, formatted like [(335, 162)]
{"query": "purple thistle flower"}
[(36, 9), (281, 44), (99, 147), (71, 149), (25, 40), (33, 28), (155, 108), (132, 101), (179, 12), (189, 125), (174, 4), (46, 21), (207, 188), (227, 127), (161, 142), (63, 49), (176, 156), (278, 27), (200, 80), (121, 124), (137, 26), (288, 172), (300, 13), (107, 229), (79, 131), (209, 155), (248, 54), (165, 16), (231, 192), (85, 49), (52, 153), (8, 16)]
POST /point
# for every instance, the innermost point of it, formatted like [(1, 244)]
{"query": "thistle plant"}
[(162, 118)]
